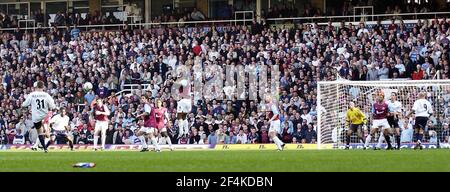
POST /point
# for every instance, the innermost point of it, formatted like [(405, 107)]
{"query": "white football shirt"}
[(60, 122), (422, 108), (395, 106), (41, 102)]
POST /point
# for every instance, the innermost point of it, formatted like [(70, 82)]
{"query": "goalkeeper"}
[(355, 119)]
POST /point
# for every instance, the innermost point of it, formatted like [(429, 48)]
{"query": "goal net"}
[(334, 98)]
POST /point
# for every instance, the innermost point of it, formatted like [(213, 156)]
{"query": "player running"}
[(161, 117), (422, 110), (380, 110), (355, 119), (148, 129), (61, 127), (41, 103), (101, 113), (395, 108), (274, 119)]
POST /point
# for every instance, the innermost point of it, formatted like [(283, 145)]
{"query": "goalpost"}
[(333, 98)]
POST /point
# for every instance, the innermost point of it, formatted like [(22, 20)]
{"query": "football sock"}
[(388, 140), (155, 143), (368, 139), (348, 139), (169, 141), (380, 140), (143, 142), (95, 141), (397, 138), (42, 140)]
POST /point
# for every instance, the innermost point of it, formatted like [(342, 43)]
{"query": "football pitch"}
[(229, 161)]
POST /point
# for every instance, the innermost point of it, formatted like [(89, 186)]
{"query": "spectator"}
[(118, 135), (75, 135), (59, 19), (372, 74), (286, 137), (127, 138), (221, 136), (231, 138), (90, 137), (393, 71), (10, 133), (110, 134), (241, 137), (407, 131), (309, 135), (400, 67), (383, 72), (74, 33), (195, 137), (38, 16), (196, 15), (3, 137), (78, 20), (264, 135), (298, 134), (344, 71), (433, 137), (212, 138), (19, 138), (306, 116), (362, 30), (418, 74), (89, 97), (2, 123), (203, 135), (445, 133), (21, 125), (253, 137)]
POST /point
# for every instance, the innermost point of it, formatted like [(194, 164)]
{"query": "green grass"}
[(231, 161)]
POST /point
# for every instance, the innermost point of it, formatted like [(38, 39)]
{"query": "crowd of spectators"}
[(283, 9), (342, 8), (67, 58), (61, 19), (97, 18), (181, 15), (7, 21)]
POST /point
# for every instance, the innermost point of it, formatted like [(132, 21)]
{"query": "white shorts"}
[(163, 129), (101, 126), (147, 130), (381, 123), (275, 126), (184, 106)]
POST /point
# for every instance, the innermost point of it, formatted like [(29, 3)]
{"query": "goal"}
[(333, 98)]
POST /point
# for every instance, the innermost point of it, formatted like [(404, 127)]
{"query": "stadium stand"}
[(126, 64)]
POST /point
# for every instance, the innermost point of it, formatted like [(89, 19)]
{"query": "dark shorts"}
[(393, 122), (421, 122), (60, 133), (355, 127), (38, 125)]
